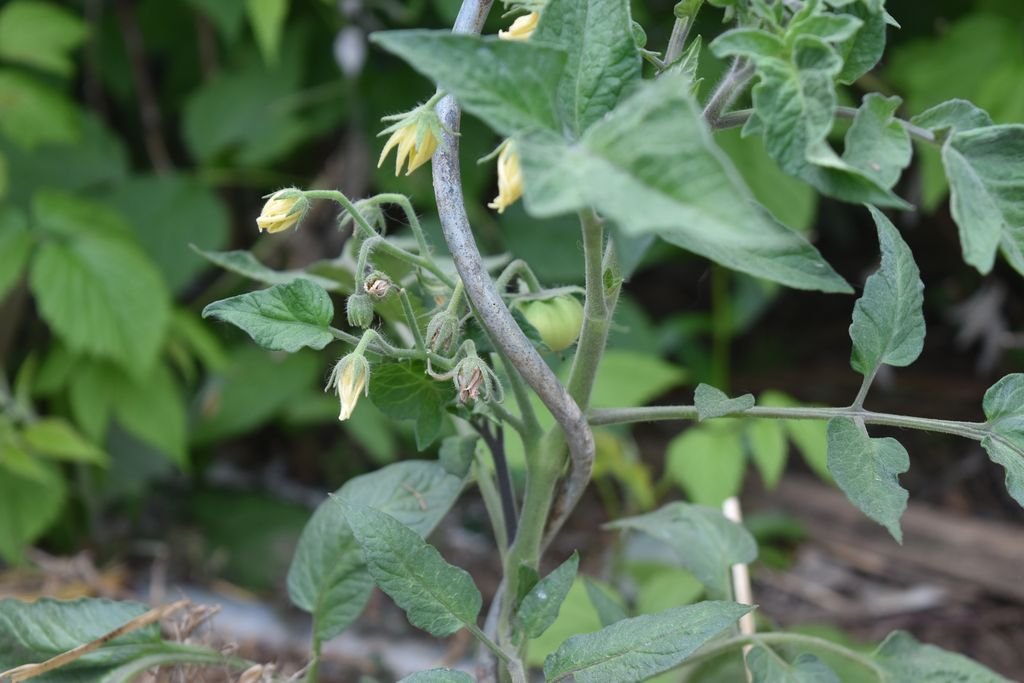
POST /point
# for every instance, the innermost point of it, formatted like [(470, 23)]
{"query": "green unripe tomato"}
[(557, 320)]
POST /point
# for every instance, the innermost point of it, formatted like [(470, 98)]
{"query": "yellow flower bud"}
[(522, 28), (510, 178), (415, 135), (350, 378), (284, 209)]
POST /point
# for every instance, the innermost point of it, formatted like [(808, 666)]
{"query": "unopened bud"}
[(443, 332), (359, 310), (350, 378), (283, 209), (475, 381)]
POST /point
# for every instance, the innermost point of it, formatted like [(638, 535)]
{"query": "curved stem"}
[(968, 430), (410, 216), (410, 317), (382, 347), (519, 268), (728, 89), (768, 639)]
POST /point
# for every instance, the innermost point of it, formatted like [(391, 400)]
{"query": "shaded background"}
[(176, 453)]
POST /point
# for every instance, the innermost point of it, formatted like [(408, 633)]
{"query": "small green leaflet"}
[(280, 318), (404, 391), (15, 247), (867, 471), (986, 181), (438, 676), (767, 667), (55, 438), (877, 143), (327, 577), (539, 608), (608, 611), (952, 116), (862, 51), (708, 461), (655, 151), (888, 322), (1004, 409), (905, 660), (245, 264), (436, 596), (704, 540), (634, 649), (712, 402)]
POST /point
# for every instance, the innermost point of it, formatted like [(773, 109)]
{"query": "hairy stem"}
[(735, 119), (728, 89)]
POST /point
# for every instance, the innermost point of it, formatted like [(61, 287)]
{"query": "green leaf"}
[(32, 114), (748, 42), (28, 506), (168, 212), (953, 115), (327, 577), (41, 35), (655, 151), (245, 264), (767, 667), (862, 51), (280, 318), (55, 438), (702, 538), (151, 408), (905, 659), (175, 655), (608, 611), (1004, 409), (96, 289), (768, 449), (987, 193), (888, 321), (867, 470), (877, 143), (404, 391), (456, 454), (508, 84), (15, 247), (436, 596), (634, 649), (602, 59), (809, 436), (712, 402), (438, 676), (830, 28), (631, 378), (267, 19), (707, 462), (539, 609)]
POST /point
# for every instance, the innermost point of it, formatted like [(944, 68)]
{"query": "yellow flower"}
[(284, 209), (522, 28), (350, 378), (416, 141), (510, 178)]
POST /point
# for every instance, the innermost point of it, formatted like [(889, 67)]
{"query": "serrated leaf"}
[(404, 391), (888, 321), (280, 318), (1004, 409), (41, 35), (987, 193), (95, 288), (711, 402), (436, 596), (601, 57), (539, 608), (245, 264), (703, 539), (15, 247), (634, 649), (877, 143), (905, 660), (867, 470), (951, 116), (438, 676), (655, 151), (707, 462), (508, 84), (53, 437), (327, 577), (767, 667)]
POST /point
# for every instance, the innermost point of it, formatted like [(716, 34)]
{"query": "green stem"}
[(410, 216), (521, 269), (488, 643), (865, 387), (313, 673), (737, 118), (410, 317), (531, 426), (596, 312), (768, 639), (382, 347), (492, 503), (968, 430)]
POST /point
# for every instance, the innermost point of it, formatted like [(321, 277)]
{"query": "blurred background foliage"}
[(136, 134)]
